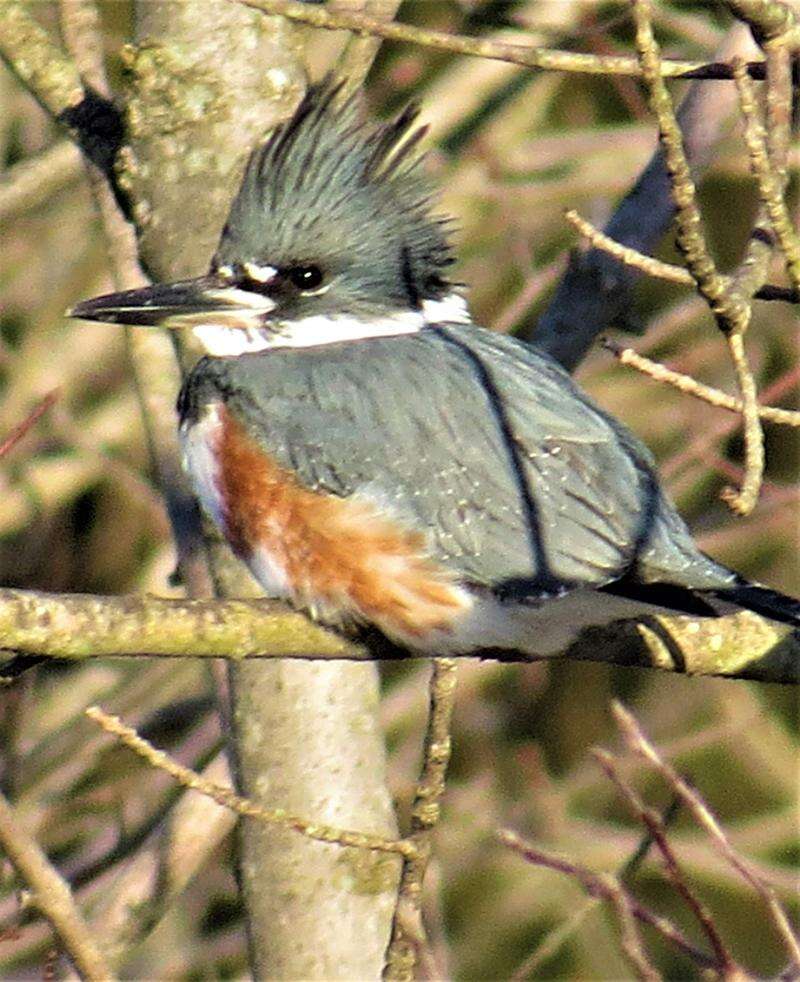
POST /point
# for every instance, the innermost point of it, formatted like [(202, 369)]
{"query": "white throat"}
[(222, 340)]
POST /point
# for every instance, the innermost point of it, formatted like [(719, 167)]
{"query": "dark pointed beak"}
[(187, 303)]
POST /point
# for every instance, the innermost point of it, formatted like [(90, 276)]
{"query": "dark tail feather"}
[(760, 599)]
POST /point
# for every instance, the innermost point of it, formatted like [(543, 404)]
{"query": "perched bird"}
[(375, 457)]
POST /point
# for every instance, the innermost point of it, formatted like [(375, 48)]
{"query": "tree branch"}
[(51, 895), (53, 79), (408, 931), (595, 292), (516, 54), (75, 626), (34, 180), (244, 807)]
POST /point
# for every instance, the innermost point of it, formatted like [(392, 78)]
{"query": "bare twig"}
[(689, 229), (361, 49), (655, 267), (597, 885), (554, 939), (743, 500), (630, 942), (770, 180), (731, 307), (689, 385), (21, 429), (228, 798), (769, 19), (652, 821), (517, 54), (408, 933), (32, 181), (82, 33), (38, 61), (595, 291), (638, 742), (155, 369), (51, 895)]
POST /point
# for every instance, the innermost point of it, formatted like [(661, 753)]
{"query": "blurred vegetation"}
[(79, 512)]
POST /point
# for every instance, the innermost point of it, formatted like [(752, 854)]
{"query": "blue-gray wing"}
[(517, 479)]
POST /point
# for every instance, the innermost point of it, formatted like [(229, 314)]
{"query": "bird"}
[(375, 457)]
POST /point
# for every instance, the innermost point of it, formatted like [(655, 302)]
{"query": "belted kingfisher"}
[(375, 457)]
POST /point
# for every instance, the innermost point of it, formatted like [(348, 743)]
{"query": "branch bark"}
[(76, 626)]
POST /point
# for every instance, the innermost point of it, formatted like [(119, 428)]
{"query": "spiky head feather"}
[(329, 188)]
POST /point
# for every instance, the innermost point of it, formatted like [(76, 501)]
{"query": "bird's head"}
[(329, 238)]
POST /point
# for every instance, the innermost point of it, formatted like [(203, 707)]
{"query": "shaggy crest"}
[(329, 188)]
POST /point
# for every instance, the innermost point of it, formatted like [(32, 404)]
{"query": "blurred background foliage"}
[(79, 512)]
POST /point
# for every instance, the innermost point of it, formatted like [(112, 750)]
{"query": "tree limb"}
[(76, 626), (51, 895), (516, 54)]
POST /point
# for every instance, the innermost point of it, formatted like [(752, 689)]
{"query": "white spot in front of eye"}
[(260, 274), (226, 272)]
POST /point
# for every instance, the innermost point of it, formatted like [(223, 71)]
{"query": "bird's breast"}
[(342, 557)]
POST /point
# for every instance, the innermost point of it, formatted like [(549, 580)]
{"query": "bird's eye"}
[(305, 277)]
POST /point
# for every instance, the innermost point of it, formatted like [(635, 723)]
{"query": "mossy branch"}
[(76, 627)]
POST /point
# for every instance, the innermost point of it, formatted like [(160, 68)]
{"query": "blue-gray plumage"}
[(519, 479), (371, 454)]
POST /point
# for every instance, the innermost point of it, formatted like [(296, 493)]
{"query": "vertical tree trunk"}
[(206, 81)]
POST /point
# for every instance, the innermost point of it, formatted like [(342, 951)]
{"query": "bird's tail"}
[(760, 599)]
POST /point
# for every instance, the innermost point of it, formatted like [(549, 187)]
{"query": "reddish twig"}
[(652, 820), (21, 429), (637, 741), (597, 885)]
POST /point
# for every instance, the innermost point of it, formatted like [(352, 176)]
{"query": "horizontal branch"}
[(517, 54), (78, 626)]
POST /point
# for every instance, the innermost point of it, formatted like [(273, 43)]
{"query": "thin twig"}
[(689, 385), (770, 183), (690, 236), (732, 307), (630, 941), (32, 181), (51, 895), (597, 886), (82, 33), (228, 798), (655, 267), (517, 54), (152, 359), (554, 939), (767, 19), (638, 742), (361, 49), (21, 429), (595, 291), (652, 821), (743, 500), (408, 933), (37, 60)]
